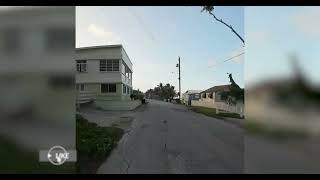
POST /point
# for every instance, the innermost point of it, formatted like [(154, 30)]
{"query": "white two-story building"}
[(104, 76)]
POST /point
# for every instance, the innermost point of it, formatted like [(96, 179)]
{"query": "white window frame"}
[(109, 65), (80, 87), (124, 89), (82, 66), (108, 88)]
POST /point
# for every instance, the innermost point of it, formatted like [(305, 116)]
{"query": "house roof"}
[(217, 88), (105, 46), (193, 91), (100, 47)]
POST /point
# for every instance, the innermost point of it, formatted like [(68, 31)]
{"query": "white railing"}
[(238, 108), (85, 96)]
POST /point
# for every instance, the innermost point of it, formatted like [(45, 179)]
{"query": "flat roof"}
[(105, 46), (100, 47)]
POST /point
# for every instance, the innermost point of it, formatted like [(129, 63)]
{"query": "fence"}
[(238, 108)]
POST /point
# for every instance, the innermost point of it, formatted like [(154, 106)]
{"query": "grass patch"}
[(18, 160), (277, 133), (94, 144), (212, 112)]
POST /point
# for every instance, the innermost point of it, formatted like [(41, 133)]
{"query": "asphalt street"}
[(168, 138)]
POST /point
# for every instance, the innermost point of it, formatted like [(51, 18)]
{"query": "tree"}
[(209, 9), (234, 94), (137, 94), (163, 92)]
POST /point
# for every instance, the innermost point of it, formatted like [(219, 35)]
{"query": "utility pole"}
[(178, 65)]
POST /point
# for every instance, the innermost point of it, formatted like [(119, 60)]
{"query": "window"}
[(112, 88), (104, 88), (115, 65), (81, 66), (103, 65), (108, 88), (80, 87), (126, 71), (124, 89), (110, 65), (123, 68)]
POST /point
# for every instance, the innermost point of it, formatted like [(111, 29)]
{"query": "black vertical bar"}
[(179, 81)]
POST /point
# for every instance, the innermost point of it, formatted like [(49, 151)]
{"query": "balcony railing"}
[(85, 97)]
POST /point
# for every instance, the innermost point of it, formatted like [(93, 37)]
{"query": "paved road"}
[(167, 138)]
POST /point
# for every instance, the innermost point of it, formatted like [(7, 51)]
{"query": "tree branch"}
[(209, 9)]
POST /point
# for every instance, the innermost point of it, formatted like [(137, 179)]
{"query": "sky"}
[(154, 38), (273, 34)]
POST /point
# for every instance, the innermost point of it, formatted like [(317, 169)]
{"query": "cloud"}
[(306, 21), (101, 33)]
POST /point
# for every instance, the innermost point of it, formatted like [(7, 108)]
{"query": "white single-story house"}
[(190, 95), (212, 98), (104, 76)]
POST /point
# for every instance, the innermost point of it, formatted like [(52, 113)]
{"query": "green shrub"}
[(94, 143)]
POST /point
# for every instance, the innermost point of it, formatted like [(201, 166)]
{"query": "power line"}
[(227, 60), (234, 57)]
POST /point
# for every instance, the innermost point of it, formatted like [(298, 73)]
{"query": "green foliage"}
[(236, 93), (94, 143), (162, 92), (208, 9), (137, 94)]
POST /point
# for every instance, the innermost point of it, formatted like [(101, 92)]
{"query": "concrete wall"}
[(93, 74), (99, 53), (93, 90), (93, 57), (126, 59), (117, 105), (209, 103)]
